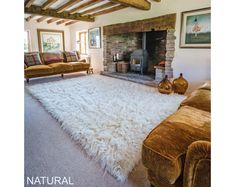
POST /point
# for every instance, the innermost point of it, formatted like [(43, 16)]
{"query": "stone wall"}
[(160, 72), (123, 44), (156, 47)]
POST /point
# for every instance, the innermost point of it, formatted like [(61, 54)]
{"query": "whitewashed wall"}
[(33, 25), (193, 63)]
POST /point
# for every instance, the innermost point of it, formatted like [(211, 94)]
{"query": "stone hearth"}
[(133, 77)]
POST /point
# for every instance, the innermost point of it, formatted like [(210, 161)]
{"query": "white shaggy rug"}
[(109, 117)]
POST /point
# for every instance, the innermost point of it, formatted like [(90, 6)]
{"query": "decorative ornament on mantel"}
[(180, 84), (165, 86)]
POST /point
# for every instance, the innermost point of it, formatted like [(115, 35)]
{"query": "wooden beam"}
[(119, 7), (85, 5), (52, 20), (37, 10), (98, 8), (70, 23), (30, 17), (47, 4), (41, 19), (67, 5), (28, 3), (61, 21), (139, 4)]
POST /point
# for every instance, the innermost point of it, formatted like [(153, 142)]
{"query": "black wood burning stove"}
[(139, 61)]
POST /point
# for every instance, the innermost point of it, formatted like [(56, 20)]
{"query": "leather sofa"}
[(177, 152), (55, 66)]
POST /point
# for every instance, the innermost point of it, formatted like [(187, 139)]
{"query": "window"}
[(26, 42), (82, 41)]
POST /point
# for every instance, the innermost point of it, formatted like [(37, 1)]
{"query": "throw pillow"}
[(50, 57), (71, 56), (32, 59)]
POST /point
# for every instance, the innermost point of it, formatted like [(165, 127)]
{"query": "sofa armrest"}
[(82, 60), (197, 171)]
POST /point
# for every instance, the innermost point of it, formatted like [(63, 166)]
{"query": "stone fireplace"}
[(155, 35)]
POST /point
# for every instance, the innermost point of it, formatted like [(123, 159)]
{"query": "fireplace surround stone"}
[(124, 38)]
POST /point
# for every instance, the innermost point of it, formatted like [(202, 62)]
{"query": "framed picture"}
[(50, 40), (94, 38), (196, 29)]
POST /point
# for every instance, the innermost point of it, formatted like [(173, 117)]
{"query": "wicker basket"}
[(122, 67)]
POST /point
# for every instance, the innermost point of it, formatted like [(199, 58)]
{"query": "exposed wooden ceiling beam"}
[(30, 17), (67, 5), (47, 4), (41, 19), (98, 8), (119, 7), (52, 20), (28, 3), (37, 10), (85, 5), (139, 4), (61, 21), (70, 23)]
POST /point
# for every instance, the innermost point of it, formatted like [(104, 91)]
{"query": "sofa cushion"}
[(85, 65), (165, 147), (200, 99), (61, 67), (38, 70), (49, 58), (80, 66), (32, 59), (76, 66), (82, 60), (70, 56)]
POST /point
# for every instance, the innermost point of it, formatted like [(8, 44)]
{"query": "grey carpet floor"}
[(49, 151)]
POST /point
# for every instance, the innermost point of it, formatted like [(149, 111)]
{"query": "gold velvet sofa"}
[(54, 67), (177, 152)]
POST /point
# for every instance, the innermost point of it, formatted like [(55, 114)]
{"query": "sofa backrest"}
[(206, 86), (200, 98), (54, 57)]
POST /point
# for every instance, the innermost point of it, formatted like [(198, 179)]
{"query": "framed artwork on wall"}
[(196, 29), (50, 40), (94, 38)]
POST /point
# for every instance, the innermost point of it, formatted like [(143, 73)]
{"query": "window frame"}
[(29, 41), (86, 42)]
